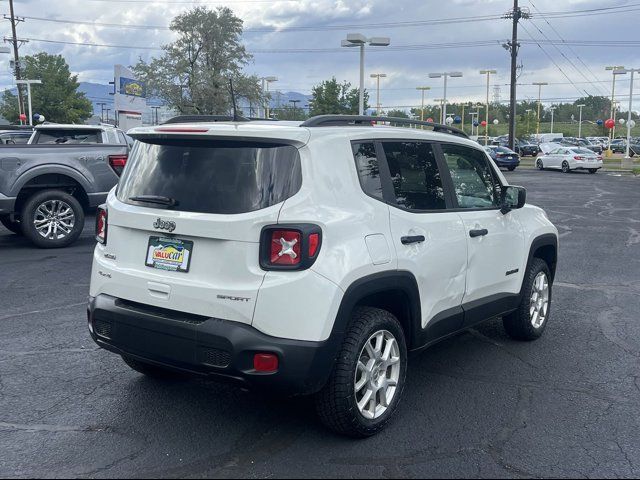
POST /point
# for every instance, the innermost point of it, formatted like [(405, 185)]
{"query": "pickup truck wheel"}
[(366, 384), (152, 370), (52, 219), (529, 321), (11, 225)]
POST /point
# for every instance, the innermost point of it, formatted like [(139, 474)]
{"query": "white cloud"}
[(300, 71)]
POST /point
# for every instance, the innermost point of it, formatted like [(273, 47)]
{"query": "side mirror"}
[(513, 198)]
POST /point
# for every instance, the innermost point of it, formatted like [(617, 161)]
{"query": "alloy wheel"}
[(54, 219), (377, 374), (539, 302)]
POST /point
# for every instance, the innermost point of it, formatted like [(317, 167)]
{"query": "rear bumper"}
[(7, 204), (208, 346), (507, 163)]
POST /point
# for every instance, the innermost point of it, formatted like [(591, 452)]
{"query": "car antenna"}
[(236, 117)]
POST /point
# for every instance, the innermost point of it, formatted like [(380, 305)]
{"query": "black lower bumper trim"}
[(213, 347)]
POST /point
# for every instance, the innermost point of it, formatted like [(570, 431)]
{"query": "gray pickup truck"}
[(47, 185)]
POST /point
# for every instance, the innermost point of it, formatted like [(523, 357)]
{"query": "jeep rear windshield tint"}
[(211, 176)]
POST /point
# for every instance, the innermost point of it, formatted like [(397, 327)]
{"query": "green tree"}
[(289, 113), (397, 114), (331, 97), (57, 98), (192, 75)]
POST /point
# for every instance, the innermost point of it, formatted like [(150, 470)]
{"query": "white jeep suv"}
[(311, 258)]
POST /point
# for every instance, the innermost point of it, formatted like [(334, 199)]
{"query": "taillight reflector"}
[(285, 247), (314, 243), (265, 362), (101, 225), (118, 162)]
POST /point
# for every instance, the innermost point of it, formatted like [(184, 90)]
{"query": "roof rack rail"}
[(204, 118), (364, 120)]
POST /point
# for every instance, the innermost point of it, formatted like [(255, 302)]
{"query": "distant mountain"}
[(100, 93)]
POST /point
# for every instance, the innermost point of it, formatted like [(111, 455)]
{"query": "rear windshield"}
[(68, 136), (504, 150), (211, 176)]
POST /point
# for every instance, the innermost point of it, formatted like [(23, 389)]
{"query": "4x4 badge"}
[(164, 225)]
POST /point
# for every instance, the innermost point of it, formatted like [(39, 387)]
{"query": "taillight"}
[(101, 225), (599, 157), (578, 158), (289, 247), (118, 162)]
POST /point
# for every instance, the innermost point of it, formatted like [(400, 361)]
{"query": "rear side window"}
[(212, 176), (68, 136), (415, 176), (368, 168)]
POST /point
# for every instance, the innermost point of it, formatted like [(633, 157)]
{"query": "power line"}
[(411, 47), (552, 60), (599, 87), (299, 28)]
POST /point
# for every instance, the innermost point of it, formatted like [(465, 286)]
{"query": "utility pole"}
[(516, 14), (16, 57), (102, 105)]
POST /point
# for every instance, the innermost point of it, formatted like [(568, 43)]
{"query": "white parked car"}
[(567, 158), (311, 258)]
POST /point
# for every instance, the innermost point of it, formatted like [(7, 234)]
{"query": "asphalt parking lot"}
[(478, 405)]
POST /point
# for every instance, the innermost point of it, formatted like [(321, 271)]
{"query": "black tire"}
[(565, 167), (11, 225), (593, 170), (511, 169), (336, 402), (518, 324), (539, 164), (30, 212), (153, 371)]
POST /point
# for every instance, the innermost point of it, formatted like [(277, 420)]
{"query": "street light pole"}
[(613, 70), (552, 110), (265, 93), (580, 121), (539, 84), (359, 40), (443, 115), (28, 83), (632, 71), (488, 73), (378, 76), (528, 110), (422, 107)]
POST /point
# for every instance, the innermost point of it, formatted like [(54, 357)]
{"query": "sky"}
[(298, 41)]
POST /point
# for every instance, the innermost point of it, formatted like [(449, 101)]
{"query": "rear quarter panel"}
[(87, 164)]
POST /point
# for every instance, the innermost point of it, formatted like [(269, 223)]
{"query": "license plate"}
[(169, 254)]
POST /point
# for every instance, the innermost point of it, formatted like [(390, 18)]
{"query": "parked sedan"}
[(618, 145), (570, 158), (582, 143), (503, 157)]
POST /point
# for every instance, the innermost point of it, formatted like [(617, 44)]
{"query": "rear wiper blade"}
[(157, 199)]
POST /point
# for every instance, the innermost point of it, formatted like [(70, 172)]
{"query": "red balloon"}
[(430, 120), (484, 123), (23, 116), (610, 123)]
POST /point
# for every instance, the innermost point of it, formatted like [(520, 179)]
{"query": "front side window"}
[(415, 176), (368, 168), (472, 177)]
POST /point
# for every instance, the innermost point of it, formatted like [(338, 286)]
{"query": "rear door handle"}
[(412, 239), (481, 232)]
